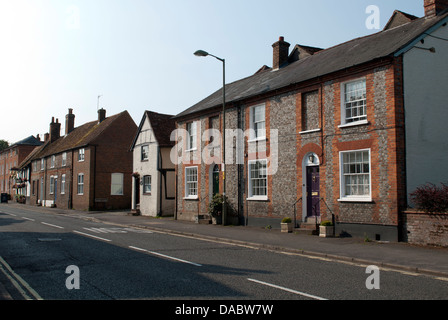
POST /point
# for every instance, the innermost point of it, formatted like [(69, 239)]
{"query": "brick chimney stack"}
[(101, 115), (55, 130), (281, 53), (69, 121), (434, 7)]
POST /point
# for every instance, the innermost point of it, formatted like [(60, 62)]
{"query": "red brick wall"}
[(424, 228), (114, 144)]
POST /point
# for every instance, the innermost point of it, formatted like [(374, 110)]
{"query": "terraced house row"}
[(345, 134)]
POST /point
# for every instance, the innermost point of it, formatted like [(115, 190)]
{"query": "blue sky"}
[(138, 54)]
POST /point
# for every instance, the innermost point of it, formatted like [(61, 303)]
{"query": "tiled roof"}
[(30, 141), (80, 137), (162, 125), (349, 54)]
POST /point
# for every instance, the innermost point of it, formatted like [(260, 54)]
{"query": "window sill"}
[(310, 131), (357, 199), (258, 198), (354, 124), (147, 193), (191, 150), (191, 198)]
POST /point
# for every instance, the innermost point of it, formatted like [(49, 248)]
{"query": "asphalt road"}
[(117, 263)]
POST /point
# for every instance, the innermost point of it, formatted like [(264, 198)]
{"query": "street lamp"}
[(202, 53)]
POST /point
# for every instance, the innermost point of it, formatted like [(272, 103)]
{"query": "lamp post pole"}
[(201, 53)]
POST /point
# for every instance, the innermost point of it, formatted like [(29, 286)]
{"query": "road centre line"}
[(52, 225), (286, 289), (165, 256), (28, 219), (10, 214), (92, 236)]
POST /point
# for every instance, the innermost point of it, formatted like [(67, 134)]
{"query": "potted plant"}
[(215, 209), (286, 225), (326, 229)]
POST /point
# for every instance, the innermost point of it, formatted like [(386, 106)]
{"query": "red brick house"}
[(10, 158), (323, 135), (89, 168)]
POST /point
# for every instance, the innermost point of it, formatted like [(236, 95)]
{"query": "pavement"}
[(398, 256)]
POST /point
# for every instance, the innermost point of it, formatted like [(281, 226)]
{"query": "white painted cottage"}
[(153, 182)]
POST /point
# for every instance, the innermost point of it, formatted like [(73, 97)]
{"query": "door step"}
[(305, 231), (204, 219)]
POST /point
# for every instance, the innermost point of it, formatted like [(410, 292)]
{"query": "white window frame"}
[(343, 176), (53, 161), (42, 164), (116, 184), (357, 120), (191, 185), (192, 131), (81, 154), (64, 159), (145, 153), (147, 184), (251, 180), (63, 184), (254, 124), (80, 184), (51, 184)]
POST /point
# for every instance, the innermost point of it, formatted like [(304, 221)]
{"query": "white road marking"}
[(287, 289), (116, 230), (165, 256), (10, 214), (92, 236), (52, 225), (28, 219)]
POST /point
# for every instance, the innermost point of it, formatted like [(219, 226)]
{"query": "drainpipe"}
[(159, 178), (71, 184)]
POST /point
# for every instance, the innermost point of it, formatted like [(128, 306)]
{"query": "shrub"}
[(286, 220), (430, 198), (326, 223), (215, 206)]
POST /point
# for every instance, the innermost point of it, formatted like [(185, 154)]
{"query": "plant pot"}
[(286, 227), (326, 231), (217, 220)]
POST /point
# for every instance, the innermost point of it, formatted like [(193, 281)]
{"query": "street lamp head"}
[(201, 53)]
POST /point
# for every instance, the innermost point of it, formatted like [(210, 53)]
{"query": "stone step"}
[(308, 225)]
